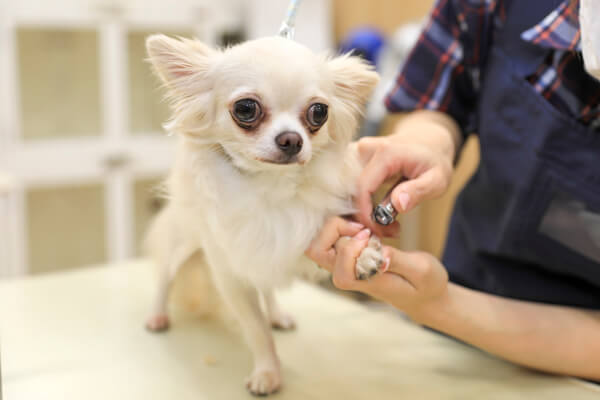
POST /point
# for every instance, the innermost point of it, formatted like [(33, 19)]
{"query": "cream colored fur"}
[(230, 205)]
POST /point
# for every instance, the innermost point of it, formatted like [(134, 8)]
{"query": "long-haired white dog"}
[(263, 159)]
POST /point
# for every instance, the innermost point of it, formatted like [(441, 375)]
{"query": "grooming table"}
[(79, 335)]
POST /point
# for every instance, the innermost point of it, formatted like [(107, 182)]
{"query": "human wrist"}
[(433, 311), (432, 129)]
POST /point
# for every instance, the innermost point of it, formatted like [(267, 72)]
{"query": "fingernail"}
[(356, 225), (403, 199), (362, 235)]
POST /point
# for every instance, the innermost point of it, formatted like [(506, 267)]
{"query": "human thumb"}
[(411, 193)]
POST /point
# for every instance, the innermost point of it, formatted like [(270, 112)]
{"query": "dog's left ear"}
[(354, 79)]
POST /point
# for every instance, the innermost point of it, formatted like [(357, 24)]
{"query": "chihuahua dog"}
[(264, 157)]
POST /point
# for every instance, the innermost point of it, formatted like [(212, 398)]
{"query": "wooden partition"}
[(386, 15)]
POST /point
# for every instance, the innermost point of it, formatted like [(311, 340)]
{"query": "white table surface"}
[(79, 335)]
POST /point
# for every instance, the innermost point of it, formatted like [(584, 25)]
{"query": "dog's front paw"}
[(370, 259), (158, 323), (264, 381), (283, 321)]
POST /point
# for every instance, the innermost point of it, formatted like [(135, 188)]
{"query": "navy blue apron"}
[(527, 225)]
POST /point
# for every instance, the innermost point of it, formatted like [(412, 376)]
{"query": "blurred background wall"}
[(81, 143)]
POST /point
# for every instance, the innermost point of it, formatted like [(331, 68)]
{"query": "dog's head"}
[(266, 101)]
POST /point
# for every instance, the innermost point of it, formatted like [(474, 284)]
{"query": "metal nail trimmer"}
[(384, 213)]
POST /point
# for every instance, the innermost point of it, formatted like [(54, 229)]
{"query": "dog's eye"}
[(316, 115), (246, 111)]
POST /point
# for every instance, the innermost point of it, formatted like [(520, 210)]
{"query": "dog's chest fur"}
[(261, 222)]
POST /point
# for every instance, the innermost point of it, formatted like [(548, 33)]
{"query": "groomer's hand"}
[(422, 150), (413, 280)]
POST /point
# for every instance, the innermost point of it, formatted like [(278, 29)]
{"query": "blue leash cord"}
[(289, 23)]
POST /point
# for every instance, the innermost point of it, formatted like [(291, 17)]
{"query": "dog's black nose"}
[(289, 142)]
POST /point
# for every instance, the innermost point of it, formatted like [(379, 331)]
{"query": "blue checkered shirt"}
[(443, 71)]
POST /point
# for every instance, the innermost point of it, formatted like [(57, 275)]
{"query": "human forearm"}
[(555, 339), (434, 129)]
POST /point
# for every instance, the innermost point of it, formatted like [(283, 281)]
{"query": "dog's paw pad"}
[(158, 323), (264, 382), (283, 321), (370, 260)]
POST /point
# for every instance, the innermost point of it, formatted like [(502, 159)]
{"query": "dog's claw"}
[(283, 322), (264, 382), (158, 323)]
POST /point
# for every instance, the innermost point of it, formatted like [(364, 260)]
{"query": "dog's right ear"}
[(184, 66), (179, 63)]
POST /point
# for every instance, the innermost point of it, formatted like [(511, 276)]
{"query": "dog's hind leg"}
[(279, 318), (159, 319), (244, 302)]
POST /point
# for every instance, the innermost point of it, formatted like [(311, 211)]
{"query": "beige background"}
[(66, 227), (59, 80), (386, 15)]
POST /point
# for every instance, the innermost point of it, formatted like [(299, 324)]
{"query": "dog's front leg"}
[(279, 318), (370, 260), (245, 304)]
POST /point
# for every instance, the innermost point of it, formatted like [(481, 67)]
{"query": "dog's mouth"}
[(282, 160)]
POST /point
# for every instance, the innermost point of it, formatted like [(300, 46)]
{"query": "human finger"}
[(415, 267), (374, 174), (321, 248), (412, 192), (347, 251)]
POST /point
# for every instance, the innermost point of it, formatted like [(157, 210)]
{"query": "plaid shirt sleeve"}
[(443, 70)]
